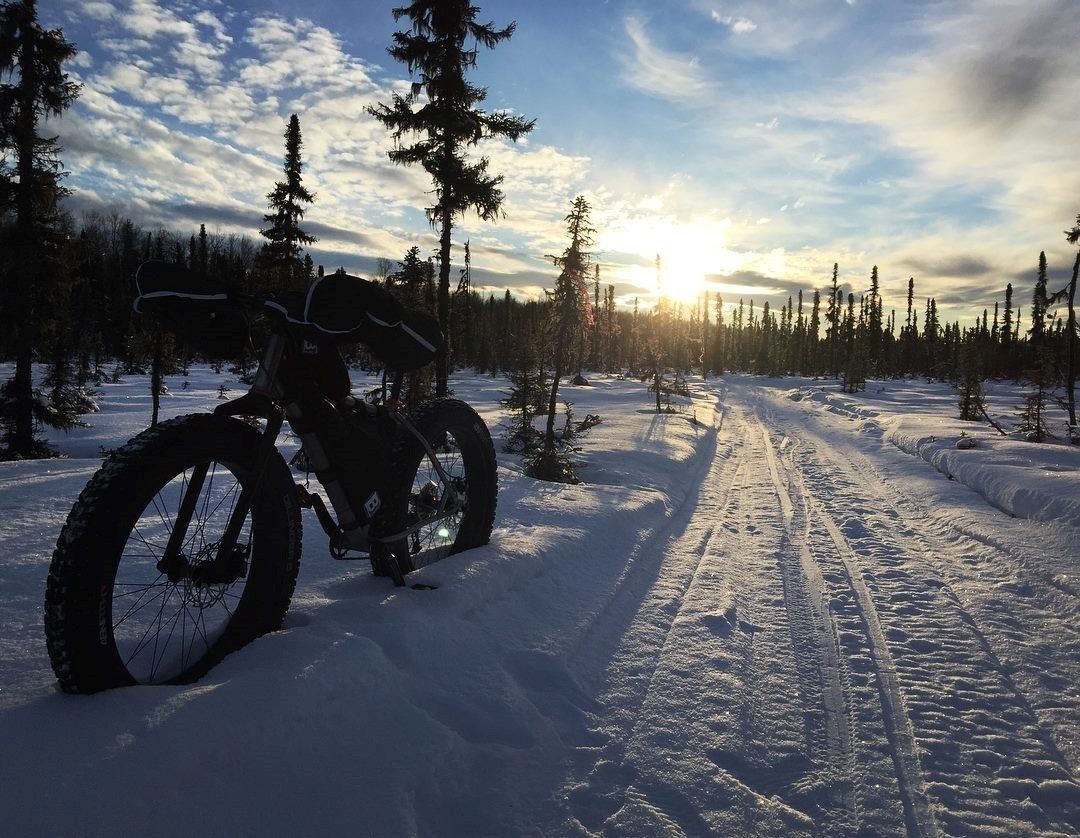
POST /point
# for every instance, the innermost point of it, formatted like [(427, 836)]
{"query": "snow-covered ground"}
[(781, 618)]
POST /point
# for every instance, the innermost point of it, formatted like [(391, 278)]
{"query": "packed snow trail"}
[(762, 616), (816, 656)]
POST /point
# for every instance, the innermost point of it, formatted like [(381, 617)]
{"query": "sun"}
[(682, 275), (674, 257)]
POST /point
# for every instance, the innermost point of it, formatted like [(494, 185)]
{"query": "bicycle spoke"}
[(201, 627), (162, 514), (146, 543), (164, 628), (143, 642), (134, 609), (155, 660), (201, 527)]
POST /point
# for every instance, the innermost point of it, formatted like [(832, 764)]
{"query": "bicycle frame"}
[(268, 399)]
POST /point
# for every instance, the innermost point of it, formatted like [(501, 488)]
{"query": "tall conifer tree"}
[(568, 303), (285, 238), (832, 317), (33, 87), (447, 124), (1071, 337)]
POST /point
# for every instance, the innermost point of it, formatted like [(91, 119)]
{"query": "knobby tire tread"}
[(91, 541)]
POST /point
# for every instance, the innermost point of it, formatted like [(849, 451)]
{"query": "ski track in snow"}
[(777, 622)]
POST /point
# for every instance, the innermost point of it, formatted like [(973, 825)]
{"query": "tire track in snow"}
[(625, 640), (879, 780), (917, 815), (814, 636), (987, 763), (598, 640), (687, 693)]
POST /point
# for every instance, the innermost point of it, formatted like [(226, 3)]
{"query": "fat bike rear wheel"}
[(460, 441), (115, 614)]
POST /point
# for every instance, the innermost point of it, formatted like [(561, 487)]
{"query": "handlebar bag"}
[(200, 312), (347, 309)]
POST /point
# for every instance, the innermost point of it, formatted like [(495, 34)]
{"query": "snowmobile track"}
[(818, 658), (969, 748)]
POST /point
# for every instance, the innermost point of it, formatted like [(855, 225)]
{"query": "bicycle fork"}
[(230, 560)]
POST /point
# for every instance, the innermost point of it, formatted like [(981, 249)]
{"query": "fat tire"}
[(91, 544), (434, 419)]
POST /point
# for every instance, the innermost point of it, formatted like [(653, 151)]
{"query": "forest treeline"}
[(66, 285), (824, 332)]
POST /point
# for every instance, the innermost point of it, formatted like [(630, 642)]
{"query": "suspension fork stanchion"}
[(183, 517), (227, 544), (259, 401)]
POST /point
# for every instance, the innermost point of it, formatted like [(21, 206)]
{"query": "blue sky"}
[(750, 144)]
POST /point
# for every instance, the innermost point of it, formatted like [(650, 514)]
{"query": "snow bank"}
[(1023, 479), (388, 711)]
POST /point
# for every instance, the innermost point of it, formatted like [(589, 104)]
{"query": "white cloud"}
[(100, 9), (212, 22), (738, 25), (656, 71), (990, 102), (297, 53), (145, 22), (149, 136), (779, 27)]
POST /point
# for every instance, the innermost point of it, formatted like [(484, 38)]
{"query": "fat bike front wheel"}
[(443, 513), (116, 613)]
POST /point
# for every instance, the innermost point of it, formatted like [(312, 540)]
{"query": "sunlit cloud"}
[(738, 25)]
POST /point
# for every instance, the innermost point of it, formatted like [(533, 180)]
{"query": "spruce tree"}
[(1005, 346), (1040, 370), (1071, 336), (595, 334), (567, 308), (907, 333), (463, 340), (203, 251), (832, 317), (873, 317), (447, 124), (282, 251), (413, 284), (527, 399), (705, 339), (972, 404), (611, 332), (33, 88), (1039, 305), (719, 355)]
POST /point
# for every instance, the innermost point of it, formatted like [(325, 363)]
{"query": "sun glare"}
[(688, 252)]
